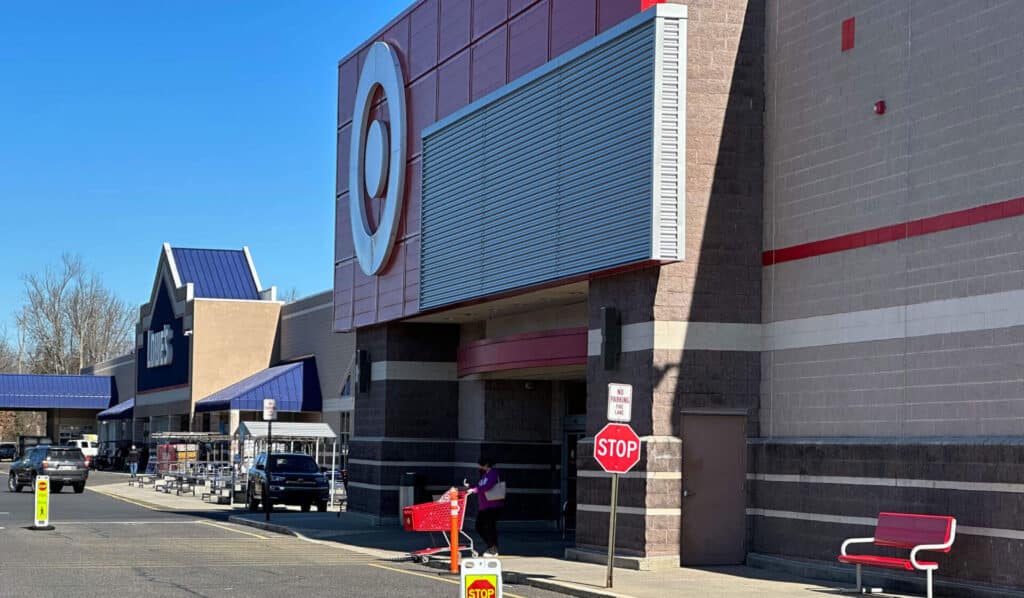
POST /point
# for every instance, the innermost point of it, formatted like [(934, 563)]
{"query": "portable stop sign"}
[(480, 578), (42, 514)]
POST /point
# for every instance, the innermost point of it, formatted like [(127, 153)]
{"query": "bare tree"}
[(70, 319)]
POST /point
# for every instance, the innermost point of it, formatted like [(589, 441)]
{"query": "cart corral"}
[(214, 467)]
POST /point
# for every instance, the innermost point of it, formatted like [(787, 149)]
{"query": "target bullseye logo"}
[(377, 159)]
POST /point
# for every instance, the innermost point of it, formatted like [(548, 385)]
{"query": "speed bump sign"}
[(42, 502), (481, 578)]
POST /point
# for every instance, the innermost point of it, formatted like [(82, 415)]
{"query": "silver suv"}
[(64, 465)]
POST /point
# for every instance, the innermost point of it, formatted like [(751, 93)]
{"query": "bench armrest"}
[(926, 547), (855, 541)]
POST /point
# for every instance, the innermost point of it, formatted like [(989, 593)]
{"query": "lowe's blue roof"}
[(42, 391), (216, 273), (293, 385)]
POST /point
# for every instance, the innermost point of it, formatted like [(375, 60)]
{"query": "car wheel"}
[(321, 506), (57, 488), (12, 486), (79, 487), (250, 497), (305, 507)]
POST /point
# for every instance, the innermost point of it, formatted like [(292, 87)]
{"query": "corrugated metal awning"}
[(123, 410), (45, 391), (295, 386), (287, 430)]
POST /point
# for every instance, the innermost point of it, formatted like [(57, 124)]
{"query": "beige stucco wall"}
[(232, 340)]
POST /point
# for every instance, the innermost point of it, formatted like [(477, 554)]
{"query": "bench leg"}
[(860, 586), (929, 583)]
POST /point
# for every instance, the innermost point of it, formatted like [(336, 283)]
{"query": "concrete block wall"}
[(950, 140), (893, 279), (718, 284), (307, 329)]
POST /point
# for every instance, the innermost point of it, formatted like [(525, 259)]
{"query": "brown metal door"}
[(714, 490)]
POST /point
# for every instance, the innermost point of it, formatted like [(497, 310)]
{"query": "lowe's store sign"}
[(159, 351)]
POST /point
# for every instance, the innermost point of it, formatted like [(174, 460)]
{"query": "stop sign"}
[(481, 588), (617, 448)]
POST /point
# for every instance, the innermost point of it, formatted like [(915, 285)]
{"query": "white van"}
[(89, 448)]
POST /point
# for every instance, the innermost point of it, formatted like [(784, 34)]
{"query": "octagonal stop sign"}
[(617, 448)]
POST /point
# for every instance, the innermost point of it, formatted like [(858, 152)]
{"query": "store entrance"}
[(573, 429)]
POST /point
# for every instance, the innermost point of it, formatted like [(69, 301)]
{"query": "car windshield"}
[(65, 454), (295, 464)]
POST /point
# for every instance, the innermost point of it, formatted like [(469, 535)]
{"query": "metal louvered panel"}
[(670, 136), (548, 178)]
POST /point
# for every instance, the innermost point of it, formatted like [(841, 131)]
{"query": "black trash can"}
[(408, 491)]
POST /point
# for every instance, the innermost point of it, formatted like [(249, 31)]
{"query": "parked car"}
[(9, 451), (89, 448), (63, 464), (293, 479)]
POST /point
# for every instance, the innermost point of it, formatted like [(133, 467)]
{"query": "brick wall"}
[(951, 138), (833, 485)]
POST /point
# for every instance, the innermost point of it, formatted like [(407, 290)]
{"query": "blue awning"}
[(294, 385), (44, 391), (123, 410)]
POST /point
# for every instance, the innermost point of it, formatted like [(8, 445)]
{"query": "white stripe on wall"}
[(675, 336), (890, 482), (648, 511), (426, 440), (813, 517), (308, 310), (635, 475), (339, 404), (947, 316), (990, 532), (392, 488), (414, 370), (375, 463)]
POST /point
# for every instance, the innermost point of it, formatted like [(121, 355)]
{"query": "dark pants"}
[(487, 526)]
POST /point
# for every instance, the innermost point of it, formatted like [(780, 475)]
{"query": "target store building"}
[(779, 224)]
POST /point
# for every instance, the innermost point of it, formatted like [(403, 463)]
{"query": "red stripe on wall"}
[(895, 232), (530, 350)]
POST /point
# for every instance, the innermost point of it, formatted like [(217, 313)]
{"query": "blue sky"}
[(124, 125)]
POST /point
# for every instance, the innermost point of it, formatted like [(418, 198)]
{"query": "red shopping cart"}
[(434, 517)]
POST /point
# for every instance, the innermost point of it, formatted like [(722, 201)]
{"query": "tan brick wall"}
[(719, 281), (232, 340)]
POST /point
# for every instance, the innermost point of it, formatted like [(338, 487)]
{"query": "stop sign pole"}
[(617, 450)]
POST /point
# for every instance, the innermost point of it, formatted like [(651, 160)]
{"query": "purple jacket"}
[(490, 479)]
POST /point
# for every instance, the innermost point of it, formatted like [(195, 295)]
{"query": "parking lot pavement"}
[(107, 547)]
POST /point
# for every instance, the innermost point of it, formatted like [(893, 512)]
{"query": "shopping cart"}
[(437, 517)]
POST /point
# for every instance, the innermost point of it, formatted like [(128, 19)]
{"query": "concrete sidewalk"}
[(533, 558), (149, 498)]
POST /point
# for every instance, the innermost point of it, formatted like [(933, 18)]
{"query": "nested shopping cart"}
[(436, 517)]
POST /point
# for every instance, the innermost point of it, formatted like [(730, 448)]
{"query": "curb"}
[(388, 555), (561, 587), (263, 525)]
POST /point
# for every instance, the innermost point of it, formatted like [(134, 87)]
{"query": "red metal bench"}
[(915, 533)]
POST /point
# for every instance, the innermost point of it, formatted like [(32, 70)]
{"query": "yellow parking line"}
[(231, 529), (434, 577)]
